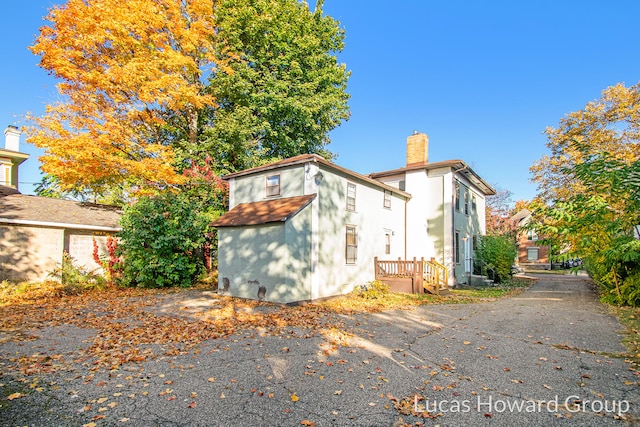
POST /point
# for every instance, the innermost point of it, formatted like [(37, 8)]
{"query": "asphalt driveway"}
[(549, 356)]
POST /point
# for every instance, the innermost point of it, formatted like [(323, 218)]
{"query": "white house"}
[(304, 228), (446, 214)]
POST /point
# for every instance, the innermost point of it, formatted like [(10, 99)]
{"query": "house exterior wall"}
[(79, 245), (372, 221), (252, 188), (432, 219), (274, 256), (29, 253)]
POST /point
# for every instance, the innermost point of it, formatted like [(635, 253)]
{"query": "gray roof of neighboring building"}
[(16, 208)]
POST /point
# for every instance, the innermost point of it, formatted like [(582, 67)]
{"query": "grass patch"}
[(629, 317)]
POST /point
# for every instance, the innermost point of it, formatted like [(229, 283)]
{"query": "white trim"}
[(59, 225)]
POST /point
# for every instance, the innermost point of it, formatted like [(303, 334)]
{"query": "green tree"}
[(590, 186), (283, 90), (163, 235)]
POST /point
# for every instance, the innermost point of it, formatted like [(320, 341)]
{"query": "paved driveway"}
[(550, 356)]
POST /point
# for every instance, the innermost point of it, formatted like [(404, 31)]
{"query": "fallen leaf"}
[(192, 405), (211, 379), (294, 398), (308, 423), (15, 396), (337, 392)]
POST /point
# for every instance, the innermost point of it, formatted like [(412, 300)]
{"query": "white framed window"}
[(457, 196), (533, 254), (456, 247), (273, 185), (387, 199), (474, 203), (351, 196), (466, 202), (351, 244), (387, 243)]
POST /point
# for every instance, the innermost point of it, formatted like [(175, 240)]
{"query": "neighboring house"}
[(531, 254), (304, 228), (36, 231)]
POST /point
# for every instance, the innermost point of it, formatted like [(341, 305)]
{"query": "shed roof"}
[(264, 212), (16, 208)]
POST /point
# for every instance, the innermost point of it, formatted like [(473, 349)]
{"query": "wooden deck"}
[(413, 276)]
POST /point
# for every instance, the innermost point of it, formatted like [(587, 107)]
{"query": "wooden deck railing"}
[(436, 275), (433, 275)]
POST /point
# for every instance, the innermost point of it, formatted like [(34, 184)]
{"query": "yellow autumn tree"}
[(124, 67)]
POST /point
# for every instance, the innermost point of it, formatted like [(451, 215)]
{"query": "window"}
[(387, 198), (532, 254), (402, 185), (474, 203), (457, 196), (474, 243), (387, 244), (273, 185), (456, 248), (351, 246), (351, 197), (532, 235), (466, 202)]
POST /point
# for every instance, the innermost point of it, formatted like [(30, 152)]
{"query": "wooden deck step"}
[(432, 290)]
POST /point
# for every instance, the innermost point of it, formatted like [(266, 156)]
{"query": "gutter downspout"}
[(453, 225), (405, 227)]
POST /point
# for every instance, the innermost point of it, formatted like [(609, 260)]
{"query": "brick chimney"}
[(417, 149), (12, 138)]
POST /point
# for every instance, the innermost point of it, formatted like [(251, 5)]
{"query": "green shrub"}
[(75, 278), (497, 253), (160, 241), (373, 290)]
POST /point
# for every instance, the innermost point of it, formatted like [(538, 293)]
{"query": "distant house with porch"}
[(304, 228)]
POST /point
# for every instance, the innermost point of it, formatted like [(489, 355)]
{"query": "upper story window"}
[(466, 202), (457, 196), (351, 196), (474, 203), (532, 235), (402, 185), (387, 199), (387, 243), (273, 185)]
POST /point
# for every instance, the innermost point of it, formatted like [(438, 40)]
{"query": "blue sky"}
[(482, 78)]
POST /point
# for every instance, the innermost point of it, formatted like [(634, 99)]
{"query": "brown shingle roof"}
[(276, 210), (35, 210)]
